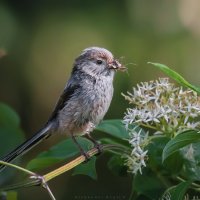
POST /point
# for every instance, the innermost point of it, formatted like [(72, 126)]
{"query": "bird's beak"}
[(116, 66)]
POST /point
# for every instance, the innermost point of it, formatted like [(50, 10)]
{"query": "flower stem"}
[(47, 177), (69, 165), (17, 167)]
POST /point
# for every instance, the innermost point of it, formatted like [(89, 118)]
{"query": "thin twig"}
[(17, 167), (193, 183), (50, 192)]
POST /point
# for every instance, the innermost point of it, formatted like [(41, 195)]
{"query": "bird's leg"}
[(96, 144), (90, 128), (87, 157)]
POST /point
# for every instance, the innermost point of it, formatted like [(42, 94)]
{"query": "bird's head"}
[(97, 61)]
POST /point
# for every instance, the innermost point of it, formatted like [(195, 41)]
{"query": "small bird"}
[(83, 103)]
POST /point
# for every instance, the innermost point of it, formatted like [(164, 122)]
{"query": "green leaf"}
[(155, 150), (11, 136), (180, 141), (178, 192), (148, 184), (116, 165), (59, 152), (87, 168), (8, 117), (42, 163), (191, 155), (176, 76), (113, 127)]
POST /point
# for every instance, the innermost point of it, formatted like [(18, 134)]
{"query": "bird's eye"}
[(99, 62)]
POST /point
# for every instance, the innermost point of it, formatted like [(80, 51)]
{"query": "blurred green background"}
[(40, 39)]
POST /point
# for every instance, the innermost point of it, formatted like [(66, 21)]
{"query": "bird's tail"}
[(27, 145)]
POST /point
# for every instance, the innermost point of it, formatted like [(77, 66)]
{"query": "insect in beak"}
[(116, 66)]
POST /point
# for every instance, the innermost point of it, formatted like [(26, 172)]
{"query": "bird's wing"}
[(68, 92)]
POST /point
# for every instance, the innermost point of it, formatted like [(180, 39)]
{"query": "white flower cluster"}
[(163, 107), (136, 160)]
